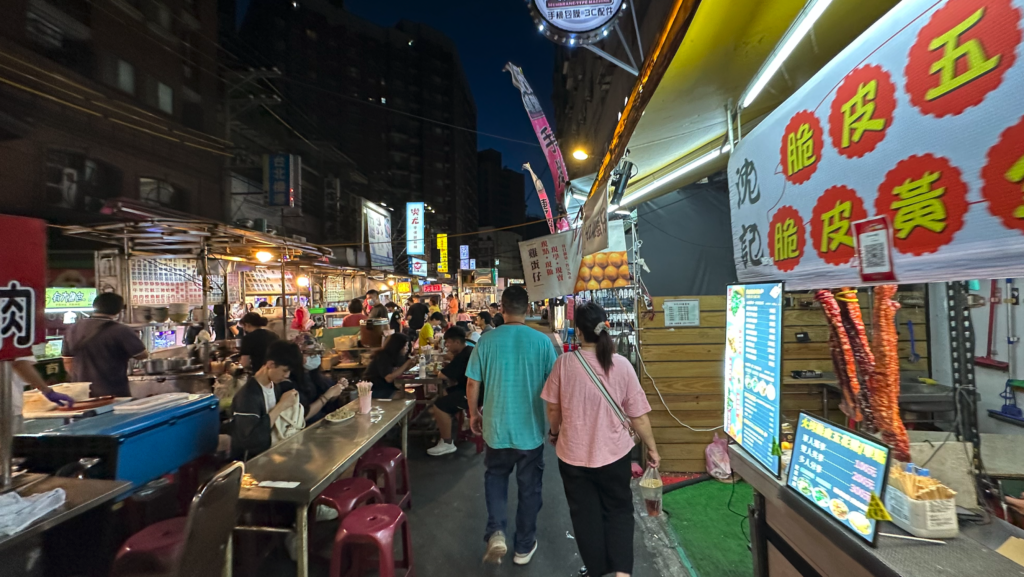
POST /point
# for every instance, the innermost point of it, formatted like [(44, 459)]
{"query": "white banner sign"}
[(414, 243), (595, 223), (550, 263), (919, 121), (378, 234)]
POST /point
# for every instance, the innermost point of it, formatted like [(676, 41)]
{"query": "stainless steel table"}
[(82, 495), (315, 458)]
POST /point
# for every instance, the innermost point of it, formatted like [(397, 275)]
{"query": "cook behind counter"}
[(97, 349)]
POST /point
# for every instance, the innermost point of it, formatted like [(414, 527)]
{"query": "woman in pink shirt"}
[(594, 447)]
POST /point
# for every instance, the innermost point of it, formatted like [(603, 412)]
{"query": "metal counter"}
[(143, 386), (315, 458), (788, 533), (83, 495)]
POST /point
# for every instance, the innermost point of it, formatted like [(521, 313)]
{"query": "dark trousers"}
[(529, 467), (601, 507)]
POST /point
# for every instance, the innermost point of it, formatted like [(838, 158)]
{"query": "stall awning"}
[(145, 231), (722, 48)]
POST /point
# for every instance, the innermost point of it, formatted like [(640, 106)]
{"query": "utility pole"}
[(237, 102)]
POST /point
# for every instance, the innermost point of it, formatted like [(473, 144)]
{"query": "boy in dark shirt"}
[(259, 402), (454, 399)]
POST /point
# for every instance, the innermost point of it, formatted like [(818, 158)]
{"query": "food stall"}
[(855, 181)]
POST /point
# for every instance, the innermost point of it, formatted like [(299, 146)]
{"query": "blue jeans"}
[(529, 466)]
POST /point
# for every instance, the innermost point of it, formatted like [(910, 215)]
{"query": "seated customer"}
[(317, 393), (259, 403), (387, 365), (427, 336), (355, 314), (454, 399)]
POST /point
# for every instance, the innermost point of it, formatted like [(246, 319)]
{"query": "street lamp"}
[(580, 154), (264, 256)]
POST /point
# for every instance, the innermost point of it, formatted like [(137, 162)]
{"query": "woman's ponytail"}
[(605, 348), (590, 321)]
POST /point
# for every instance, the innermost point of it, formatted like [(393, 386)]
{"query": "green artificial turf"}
[(709, 534)]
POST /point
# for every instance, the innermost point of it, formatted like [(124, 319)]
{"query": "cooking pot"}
[(161, 366)]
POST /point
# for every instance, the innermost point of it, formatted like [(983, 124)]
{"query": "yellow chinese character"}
[(878, 455), (800, 149), (952, 51), (836, 227), (786, 240), (858, 114), (1016, 174), (806, 423), (919, 205)]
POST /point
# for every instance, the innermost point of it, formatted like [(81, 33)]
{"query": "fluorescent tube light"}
[(651, 187)]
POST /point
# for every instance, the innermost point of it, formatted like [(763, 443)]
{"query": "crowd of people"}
[(534, 394)]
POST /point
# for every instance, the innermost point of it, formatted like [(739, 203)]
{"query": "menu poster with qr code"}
[(919, 120), (874, 247), (163, 281), (682, 313), (267, 281)]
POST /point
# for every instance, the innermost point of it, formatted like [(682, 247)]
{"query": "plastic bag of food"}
[(650, 490), (716, 457)]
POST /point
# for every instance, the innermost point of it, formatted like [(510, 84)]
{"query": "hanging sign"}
[(575, 22), (874, 249), (595, 223), (919, 120), (414, 228), (378, 234), (442, 247), (282, 179), (463, 251), (417, 266), (22, 285), (550, 262)]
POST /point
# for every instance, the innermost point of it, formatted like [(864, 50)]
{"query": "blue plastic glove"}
[(59, 398)]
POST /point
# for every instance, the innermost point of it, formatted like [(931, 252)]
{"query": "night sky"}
[(488, 34)]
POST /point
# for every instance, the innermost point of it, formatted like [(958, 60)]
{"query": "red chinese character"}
[(926, 198), (1003, 178), (801, 147), (832, 224), (862, 111), (786, 238), (961, 55)]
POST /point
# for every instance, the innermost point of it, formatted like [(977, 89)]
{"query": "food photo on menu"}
[(838, 471)]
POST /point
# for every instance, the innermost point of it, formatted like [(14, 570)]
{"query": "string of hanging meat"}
[(884, 384), (842, 356), (853, 323)]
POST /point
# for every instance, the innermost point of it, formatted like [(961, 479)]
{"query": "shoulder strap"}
[(600, 386)]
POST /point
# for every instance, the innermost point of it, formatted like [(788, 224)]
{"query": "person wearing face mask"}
[(97, 349), (317, 393)]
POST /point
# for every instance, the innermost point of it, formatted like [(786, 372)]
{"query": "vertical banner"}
[(543, 196), (22, 285), (546, 136), (595, 223), (442, 248), (282, 179), (414, 228), (378, 234), (549, 263)]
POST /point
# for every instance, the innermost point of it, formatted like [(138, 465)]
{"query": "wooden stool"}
[(385, 462), (373, 527)]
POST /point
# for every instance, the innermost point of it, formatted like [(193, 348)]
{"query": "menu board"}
[(162, 281), (753, 366), (838, 470)]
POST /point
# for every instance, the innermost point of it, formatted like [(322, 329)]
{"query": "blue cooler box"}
[(135, 447)]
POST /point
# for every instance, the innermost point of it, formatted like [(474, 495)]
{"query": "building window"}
[(158, 193), (125, 77), (43, 32), (165, 98)]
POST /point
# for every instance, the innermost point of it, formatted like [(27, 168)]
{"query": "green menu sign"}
[(69, 299)]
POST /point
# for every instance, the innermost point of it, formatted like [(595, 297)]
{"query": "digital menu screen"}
[(753, 367), (838, 470)]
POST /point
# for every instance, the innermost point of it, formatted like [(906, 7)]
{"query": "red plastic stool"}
[(385, 462), (155, 549), (344, 495), (373, 528), (468, 434)]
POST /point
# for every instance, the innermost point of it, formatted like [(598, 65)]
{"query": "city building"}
[(590, 91), (499, 249), (104, 100), (501, 191), (385, 98)]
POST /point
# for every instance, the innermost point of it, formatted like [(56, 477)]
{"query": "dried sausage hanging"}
[(842, 356)]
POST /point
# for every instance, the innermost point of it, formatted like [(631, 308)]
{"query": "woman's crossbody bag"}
[(619, 413)]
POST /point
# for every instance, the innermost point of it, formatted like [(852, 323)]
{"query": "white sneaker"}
[(325, 513), (442, 448), (524, 558), (496, 548)]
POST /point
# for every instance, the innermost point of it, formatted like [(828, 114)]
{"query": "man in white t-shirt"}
[(25, 375)]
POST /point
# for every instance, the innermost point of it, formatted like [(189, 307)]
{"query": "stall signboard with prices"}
[(414, 243), (22, 285), (920, 120), (161, 281), (753, 370), (839, 471), (682, 313)]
